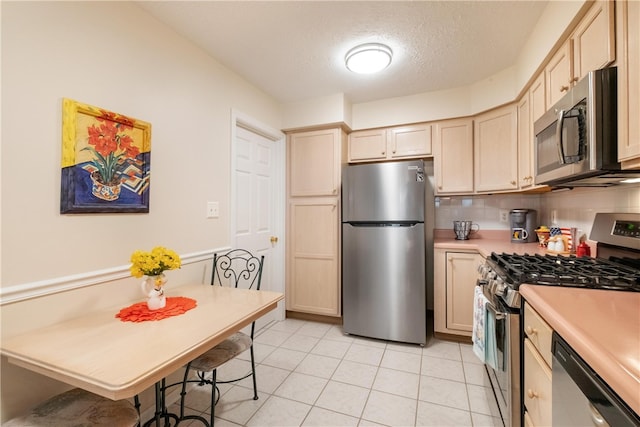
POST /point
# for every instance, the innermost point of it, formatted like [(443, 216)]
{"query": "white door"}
[(258, 201)]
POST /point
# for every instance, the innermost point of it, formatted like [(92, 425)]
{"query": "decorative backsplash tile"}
[(571, 208)]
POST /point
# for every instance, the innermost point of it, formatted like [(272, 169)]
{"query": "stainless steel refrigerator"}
[(383, 251)]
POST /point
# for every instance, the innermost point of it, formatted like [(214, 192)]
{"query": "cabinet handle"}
[(530, 331), (383, 153), (532, 394), (335, 191), (439, 187), (513, 183), (573, 80), (564, 88)]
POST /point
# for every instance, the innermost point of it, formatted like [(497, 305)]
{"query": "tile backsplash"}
[(569, 208)]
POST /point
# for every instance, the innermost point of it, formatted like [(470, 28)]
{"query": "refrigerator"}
[(383, 251)]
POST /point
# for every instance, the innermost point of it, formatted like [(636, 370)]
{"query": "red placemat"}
[(139, 312)]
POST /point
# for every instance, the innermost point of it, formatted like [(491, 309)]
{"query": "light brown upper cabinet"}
[(401, 142), (368, 145), (525, 142), (453, 156), (594, 39), (537, 98), (628, 32), (495, 149), (590, 47), (559, 74), (314, 163)]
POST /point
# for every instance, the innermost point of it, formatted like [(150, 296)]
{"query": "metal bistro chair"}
[(240, 269), (78, 407)]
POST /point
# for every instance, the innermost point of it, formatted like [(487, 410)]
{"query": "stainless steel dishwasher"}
[(580, 397)]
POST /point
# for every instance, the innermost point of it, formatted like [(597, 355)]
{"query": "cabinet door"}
[(367, 145), (558, 74), (314, 163), (453, 156), (313, 284), (461, 276), (594, 40), (628, 16), (496, 150), (409, 141), (537, 98), (537, 386), (525, 143)]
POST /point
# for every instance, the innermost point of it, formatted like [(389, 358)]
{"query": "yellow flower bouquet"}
[(155, 262)]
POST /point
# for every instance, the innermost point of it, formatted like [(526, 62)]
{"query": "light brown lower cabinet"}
[(455, 276), (314, 256), (537, 369)]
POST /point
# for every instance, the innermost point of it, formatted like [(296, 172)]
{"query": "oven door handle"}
[(499, 315)]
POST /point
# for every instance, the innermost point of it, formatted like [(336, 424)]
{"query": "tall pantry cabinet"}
[(314, 165)]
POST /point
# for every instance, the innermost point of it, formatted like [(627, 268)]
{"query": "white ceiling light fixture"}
[(368, 58)]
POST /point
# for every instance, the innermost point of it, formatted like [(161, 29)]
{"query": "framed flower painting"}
[(105, 161)]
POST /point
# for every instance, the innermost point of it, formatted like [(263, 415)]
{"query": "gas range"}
[(505, 273), (619, 240), (616, 269)]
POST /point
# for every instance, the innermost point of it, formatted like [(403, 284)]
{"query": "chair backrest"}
[(238, 268)]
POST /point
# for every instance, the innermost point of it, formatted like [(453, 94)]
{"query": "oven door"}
[(504, 375)]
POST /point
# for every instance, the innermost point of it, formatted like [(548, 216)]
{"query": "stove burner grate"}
[(567, 271)]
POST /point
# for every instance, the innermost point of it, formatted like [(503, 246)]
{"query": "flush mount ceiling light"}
[(368, 58)]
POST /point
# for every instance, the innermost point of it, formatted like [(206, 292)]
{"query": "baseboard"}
[(313, 317), (452, 337)]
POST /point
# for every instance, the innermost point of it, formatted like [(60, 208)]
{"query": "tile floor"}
[(311, 374)]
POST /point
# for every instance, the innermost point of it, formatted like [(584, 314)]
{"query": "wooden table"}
[(115, 359)]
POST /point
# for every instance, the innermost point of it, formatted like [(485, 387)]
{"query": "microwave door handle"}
[(559, 126)]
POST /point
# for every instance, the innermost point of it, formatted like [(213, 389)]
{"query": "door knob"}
[(273, 239)]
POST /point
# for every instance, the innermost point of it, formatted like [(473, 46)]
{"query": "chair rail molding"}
[(46, 287)]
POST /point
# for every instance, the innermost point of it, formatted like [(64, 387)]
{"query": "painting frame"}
[(106, 161)]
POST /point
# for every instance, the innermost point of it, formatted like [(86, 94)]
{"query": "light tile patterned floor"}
[(311, 374)]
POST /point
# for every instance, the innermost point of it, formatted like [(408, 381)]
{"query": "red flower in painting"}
[(111, 145)]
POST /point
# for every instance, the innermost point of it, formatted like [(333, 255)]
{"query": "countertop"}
[(602, 326), (485, 242)]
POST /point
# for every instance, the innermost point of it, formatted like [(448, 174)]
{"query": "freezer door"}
[(392, 191), (383, 282)]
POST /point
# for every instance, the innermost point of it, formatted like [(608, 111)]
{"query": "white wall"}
[(115, 56)]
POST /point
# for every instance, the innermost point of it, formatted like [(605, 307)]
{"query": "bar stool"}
[(78, 407)]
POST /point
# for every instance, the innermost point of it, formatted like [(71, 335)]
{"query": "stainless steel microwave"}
[(576, 141)]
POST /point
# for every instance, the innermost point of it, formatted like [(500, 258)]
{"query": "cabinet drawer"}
[(538, 332), (537, 386)]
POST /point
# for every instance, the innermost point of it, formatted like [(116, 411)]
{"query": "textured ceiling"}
[(295, 50)]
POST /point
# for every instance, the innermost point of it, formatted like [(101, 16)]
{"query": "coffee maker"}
[(523, 225)]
